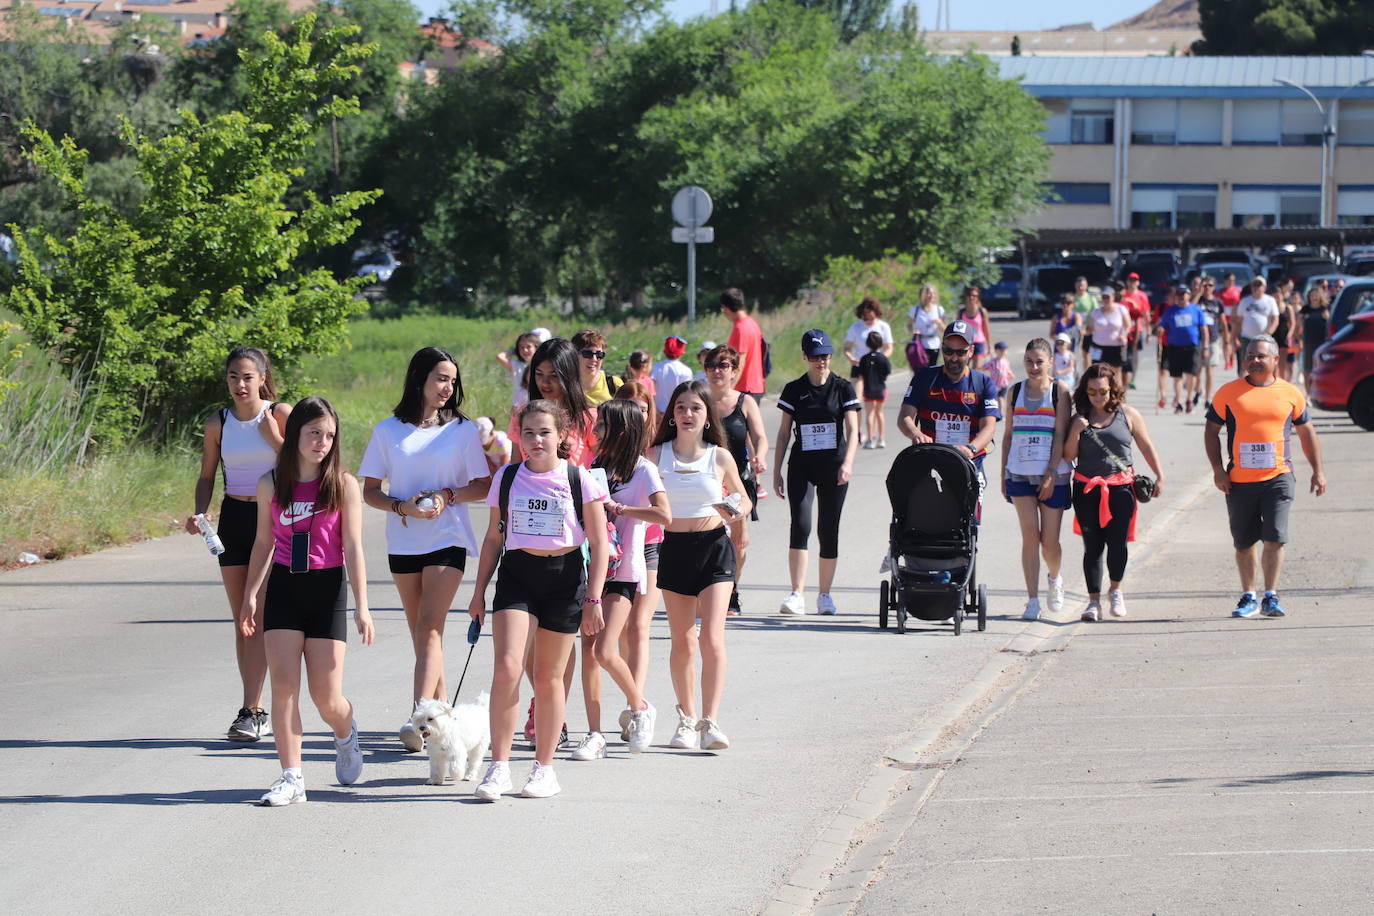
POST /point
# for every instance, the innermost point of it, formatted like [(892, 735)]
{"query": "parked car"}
[(1006, 292), (1097, 271), (1343, 371), (1219, 269), (378, 265), (1360, 265), (1353, 300), (1305, 285), (1158, 270), (1300, 269), (1223, 256), (1043, 288)]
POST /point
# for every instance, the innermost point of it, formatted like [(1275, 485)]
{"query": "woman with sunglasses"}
[(591, 357), (823, 409), (975, 315), (1100, 439), (747, 441)]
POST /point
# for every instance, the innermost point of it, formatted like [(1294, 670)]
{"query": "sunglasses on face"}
[(593, 354), (720, 364), (951, 351), (1098, 392)]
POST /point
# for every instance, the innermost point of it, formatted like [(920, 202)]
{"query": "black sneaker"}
[(249, 725), (733, 609), (563, 736)]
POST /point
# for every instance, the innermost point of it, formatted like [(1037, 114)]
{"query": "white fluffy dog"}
[(457, 737)]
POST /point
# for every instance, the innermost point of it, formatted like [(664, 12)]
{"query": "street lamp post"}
[(1328, 134)]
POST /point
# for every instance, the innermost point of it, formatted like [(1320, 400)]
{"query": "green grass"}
[(57, 508)]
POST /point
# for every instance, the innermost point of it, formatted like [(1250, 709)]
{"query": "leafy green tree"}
[(147, 304), (1240, 27), (853, 17)]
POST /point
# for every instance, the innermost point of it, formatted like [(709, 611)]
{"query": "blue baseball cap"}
[(959, 329), (816, 342)]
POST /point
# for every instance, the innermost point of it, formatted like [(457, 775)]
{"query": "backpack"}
[(575, 487), (916, 356), (766, 349)]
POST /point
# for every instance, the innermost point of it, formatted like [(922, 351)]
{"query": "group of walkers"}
[(603, 494)]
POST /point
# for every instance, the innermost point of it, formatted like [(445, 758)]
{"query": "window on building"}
[(1079, 192), (1301, 123), (1056, 120), (1355, 206), (1092, 121), (1199, 121), (1154, 122), (1255, 121), (1355, 123), (1254, 207), (1167, 207), (1300, 208)]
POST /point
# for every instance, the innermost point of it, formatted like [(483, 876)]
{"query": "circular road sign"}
[(691, 207)]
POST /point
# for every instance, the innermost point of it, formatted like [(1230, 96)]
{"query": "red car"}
[(1343, 371)]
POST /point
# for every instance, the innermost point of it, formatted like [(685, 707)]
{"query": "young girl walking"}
[(545, 591), (431, 457), (309, 526), (244, 438), (697, 562), (636, 500)]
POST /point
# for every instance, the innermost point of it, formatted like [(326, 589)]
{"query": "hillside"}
[(1166, 14)]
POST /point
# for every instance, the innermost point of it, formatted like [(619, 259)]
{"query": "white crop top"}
[(692, 487), (246, 455)]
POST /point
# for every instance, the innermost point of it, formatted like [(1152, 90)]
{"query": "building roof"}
[(1229, 77), (1066, 42)]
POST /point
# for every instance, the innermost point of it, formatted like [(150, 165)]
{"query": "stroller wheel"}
[(901, 619), (959, 620), (982, 608), (884, 592)]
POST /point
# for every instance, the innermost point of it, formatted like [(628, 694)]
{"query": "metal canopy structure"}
[(1185, 240)]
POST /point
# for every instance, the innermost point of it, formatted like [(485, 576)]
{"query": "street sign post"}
[(691, 209)]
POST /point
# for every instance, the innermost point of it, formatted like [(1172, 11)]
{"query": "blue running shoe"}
[(1270, 607), (1246, 607)]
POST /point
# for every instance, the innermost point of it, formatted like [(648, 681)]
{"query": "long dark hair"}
[(620, 446), (268, 387), (1082, 405), (411, 407), (563, 355), (330, 497), (561, 421), (713, 434)]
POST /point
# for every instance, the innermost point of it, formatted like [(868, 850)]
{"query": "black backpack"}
[(508, 481)]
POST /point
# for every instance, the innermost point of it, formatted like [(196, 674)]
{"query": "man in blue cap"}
[(952, 402)]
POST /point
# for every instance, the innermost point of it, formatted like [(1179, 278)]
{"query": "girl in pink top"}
[(309, 526), (545, 592), (556, 375), (976, 315)]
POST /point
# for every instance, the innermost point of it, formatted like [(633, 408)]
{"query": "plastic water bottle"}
[(207, 530), (425, 503)]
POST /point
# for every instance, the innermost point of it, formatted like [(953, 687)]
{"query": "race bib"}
[(537, 516), (1183, 321), (952, 432), (816, 437), (1034, 450), (1258, 455)]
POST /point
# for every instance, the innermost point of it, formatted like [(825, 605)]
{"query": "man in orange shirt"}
[(747, 339), (1260, 412), (1137, 302)]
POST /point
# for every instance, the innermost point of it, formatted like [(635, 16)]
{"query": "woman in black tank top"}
[(747, 441)]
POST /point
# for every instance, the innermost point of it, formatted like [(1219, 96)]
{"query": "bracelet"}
[(590, 600), (450, 496), (396, 506)]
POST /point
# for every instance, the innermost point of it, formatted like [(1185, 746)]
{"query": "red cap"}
[(1132, 276), (674, 346)]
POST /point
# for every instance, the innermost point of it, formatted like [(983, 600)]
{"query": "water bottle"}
[(207, 530), (425, 503)]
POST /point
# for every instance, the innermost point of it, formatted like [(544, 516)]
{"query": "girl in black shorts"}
[(696, 568), (244, 439), (309, 525), (431, 457), (636, 500), (545, 592)]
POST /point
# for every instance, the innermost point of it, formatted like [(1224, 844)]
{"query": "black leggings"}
[(1096, 538), (801, 482)]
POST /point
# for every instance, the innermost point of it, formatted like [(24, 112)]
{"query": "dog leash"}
[(474, 630)]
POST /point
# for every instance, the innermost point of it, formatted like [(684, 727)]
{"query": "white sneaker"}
[(870, 444), (882, 443), (625, 724), (793, 604), (1093, 612), (886, 565), (592, 747), (825, 605), (411, 738), (1032, 611), (348, 758), (1056, 593), (685, 735), (287, 790), (712, 738), (642, 728), (1118, 603), (542, 782), (496, 783)]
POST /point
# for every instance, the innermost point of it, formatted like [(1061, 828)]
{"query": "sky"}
[(997, 15)]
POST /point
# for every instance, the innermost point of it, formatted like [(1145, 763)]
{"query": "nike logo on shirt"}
[(297, 512)]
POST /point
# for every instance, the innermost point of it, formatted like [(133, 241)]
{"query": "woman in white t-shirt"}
[(870, 315), (431, 457), (1109, 326), (927, 321)]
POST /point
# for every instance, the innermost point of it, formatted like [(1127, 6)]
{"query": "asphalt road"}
[(118, 793)]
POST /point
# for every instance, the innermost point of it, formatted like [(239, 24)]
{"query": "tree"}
[(146, 304), (1253, 27), (852, 17)]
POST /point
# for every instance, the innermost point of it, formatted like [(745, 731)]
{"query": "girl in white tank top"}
[(242, 439)]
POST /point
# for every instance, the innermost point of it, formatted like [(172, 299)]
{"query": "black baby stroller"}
[(932, 540)]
